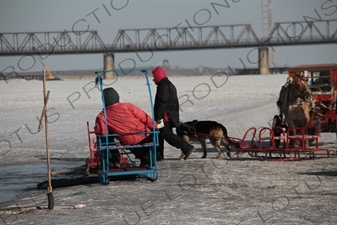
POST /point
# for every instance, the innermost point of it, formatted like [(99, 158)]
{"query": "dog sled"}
[(274, 143), (264, 143)]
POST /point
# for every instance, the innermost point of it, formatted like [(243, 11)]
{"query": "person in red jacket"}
[(126, 120), (166, 110)]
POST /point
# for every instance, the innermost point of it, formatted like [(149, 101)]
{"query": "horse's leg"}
[(297, 143), (306, 141), (293, 132), (306, 144), (307, 122)]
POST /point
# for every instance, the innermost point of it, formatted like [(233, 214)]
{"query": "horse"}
[(295, 103)]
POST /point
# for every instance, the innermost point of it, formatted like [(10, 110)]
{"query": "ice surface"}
[(233, 190)]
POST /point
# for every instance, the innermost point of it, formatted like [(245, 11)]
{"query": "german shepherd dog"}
[(201, 131)]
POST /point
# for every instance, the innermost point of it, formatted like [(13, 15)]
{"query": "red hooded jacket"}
[(125, 119), (166, 103), (158, 74)]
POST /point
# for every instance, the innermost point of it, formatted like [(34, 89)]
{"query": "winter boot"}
[(188, 151)]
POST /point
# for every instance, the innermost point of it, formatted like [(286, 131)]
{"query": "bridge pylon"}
[(109, 64), (263, 60)]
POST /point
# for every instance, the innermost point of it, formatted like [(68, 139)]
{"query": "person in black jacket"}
[(166, 113)]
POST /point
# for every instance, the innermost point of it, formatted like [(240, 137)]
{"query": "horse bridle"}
[(302, 96)]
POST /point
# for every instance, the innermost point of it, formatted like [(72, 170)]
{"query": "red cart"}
[(323, 85), (273, 143)]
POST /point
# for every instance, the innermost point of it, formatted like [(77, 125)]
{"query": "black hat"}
[(110, 96)]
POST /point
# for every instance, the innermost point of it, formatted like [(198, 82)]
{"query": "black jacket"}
[(167, 100)]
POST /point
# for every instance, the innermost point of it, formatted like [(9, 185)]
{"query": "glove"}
[(160, 124)]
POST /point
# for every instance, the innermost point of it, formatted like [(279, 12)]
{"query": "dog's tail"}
[(226, 140)]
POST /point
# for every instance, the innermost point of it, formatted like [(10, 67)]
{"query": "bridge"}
[(169, 39)]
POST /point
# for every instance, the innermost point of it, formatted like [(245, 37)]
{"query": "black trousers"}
[(174, 140), (142, 153)]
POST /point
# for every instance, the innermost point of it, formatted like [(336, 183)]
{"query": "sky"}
[(108, 16)]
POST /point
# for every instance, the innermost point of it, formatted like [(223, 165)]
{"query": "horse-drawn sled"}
[(322, 82), (307, 107)]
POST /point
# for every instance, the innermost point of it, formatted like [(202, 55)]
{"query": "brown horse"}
[(295, 103)]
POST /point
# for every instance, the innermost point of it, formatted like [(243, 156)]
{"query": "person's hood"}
[(110, 96), (158, 74)]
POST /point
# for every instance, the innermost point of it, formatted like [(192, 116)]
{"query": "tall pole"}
[(270, 27), (45, 98)]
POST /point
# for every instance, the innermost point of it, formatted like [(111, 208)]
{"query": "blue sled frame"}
[(104, 145)]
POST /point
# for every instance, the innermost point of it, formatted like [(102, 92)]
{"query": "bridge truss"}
[(168, 39)]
